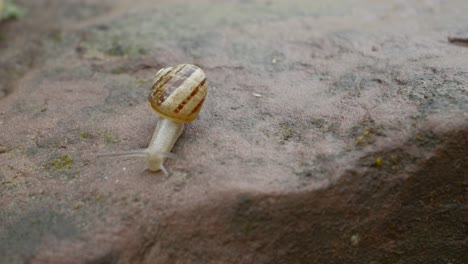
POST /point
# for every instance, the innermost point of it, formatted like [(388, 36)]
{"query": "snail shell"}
[(178, 92)]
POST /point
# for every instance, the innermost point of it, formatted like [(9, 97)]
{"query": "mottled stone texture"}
[(333, 132)]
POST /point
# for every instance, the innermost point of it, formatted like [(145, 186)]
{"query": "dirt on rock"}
[(333, 132)]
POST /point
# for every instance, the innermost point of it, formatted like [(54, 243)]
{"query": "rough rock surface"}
[(355, 151)]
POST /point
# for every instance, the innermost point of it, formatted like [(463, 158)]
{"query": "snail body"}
[(177, 96), (164, 138)]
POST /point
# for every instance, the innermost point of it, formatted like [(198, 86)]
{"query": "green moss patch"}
[(286, 133), (5, 150), (84, 134), (109, 138), (11, 11), (60, 162)]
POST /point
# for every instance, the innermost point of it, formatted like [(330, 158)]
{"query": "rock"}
[(354, 152)]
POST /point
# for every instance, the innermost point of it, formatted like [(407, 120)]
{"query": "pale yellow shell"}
[(178, 92)]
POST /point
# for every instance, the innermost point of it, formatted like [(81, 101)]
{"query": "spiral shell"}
[(178, 92)]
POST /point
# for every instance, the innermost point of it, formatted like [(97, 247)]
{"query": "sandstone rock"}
[(332, 133)]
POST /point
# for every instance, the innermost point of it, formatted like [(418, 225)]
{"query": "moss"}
[(119, 70), (378, 162), (389, 161), (318, 122), (109, 138), (77, 206), (426, 139), (89, 51), (5, 150), (11, 11), (56, 36), (286, 132), (366, 137), (61, 162), (84, 134), (366, 131), (119, 50)]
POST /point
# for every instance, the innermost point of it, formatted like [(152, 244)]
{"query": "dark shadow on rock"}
[(20, 239), (411, 216)]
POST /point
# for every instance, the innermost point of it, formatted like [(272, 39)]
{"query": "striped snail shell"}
[(178, 92), (177, 95)]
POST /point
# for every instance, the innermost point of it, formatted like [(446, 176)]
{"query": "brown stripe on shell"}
[(198, 87), (166, 78), (188, 70), (185, 72), (198, 106), (186, 100), (159, 88)]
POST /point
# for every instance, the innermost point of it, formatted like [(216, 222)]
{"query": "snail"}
[(177, 96)]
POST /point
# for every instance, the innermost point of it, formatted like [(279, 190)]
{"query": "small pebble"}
[(235, 107)]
